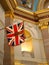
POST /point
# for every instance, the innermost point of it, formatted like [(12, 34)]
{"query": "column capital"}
[(9, 14)]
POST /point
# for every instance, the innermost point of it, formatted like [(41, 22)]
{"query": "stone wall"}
[(2, 22)]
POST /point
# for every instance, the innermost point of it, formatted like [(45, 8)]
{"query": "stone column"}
[(45, 35), (8, 51), (2, 23)]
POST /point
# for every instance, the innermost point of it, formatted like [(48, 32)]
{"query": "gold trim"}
[(32, 13), (25, 11), (28, 12), (24, 19), (42, 11), (15, 2), (44, 27), (10, 14), (20, 9)]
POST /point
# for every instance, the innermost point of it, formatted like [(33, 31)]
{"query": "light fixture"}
[(48, 6)]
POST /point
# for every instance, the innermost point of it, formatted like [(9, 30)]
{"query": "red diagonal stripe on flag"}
[(10, 35)]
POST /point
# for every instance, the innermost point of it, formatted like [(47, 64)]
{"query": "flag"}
[(15, 34)]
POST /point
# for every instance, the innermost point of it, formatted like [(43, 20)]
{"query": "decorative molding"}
[(41, 5), (9, 14)]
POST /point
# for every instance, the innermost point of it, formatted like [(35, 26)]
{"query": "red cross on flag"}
[(15, 34)]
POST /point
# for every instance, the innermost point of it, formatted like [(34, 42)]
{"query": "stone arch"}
[(38, 45), (37, 40), (33, 29)]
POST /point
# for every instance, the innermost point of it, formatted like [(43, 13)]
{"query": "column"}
[(8, 51), (45, 35)]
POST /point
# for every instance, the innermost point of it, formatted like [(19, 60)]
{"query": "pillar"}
[(8, 50), (45, 35)]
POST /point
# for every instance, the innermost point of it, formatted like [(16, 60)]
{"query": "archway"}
[(37, 43)]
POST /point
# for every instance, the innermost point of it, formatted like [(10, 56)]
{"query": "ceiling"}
[(30, 5), (27, 5), (25, 8)]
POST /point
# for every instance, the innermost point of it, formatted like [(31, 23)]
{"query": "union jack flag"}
[(15, 34)]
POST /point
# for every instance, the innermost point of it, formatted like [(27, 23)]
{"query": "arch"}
[(33, 29), (36, 35), (37, 45)]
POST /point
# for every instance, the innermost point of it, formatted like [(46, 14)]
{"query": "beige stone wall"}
[(2, 22), (37, 44)]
